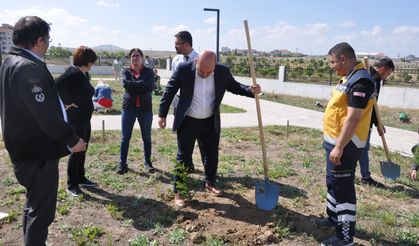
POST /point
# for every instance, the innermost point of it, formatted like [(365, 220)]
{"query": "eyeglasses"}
[(179, 44), (135, 56), (48, 38)]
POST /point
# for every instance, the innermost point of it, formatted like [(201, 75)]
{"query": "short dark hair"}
[(28, 29), (185, 37), (343, 49), (384, 62), (83, 55), (136, 49)]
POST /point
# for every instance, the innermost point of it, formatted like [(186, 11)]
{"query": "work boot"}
[(371, 182), (335, 241)]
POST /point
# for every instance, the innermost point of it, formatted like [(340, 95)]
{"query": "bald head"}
[(205, 63)]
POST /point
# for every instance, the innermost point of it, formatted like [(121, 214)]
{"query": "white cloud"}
[(107, 4), (375, 32), (211, 20), (347, 24), (282, 35), (66, 29), (406, 30), (402, 40)]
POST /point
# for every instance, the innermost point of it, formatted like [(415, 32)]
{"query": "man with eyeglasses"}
[(183, 46), (34, 126)]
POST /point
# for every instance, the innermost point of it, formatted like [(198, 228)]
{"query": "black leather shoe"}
[(149, 167), (75, 191), (87, 183), (122, 169)]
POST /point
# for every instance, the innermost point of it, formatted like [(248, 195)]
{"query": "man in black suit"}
[(202, 84)]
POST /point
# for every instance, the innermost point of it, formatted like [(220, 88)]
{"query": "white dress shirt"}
[(178, 59), (202, 105)]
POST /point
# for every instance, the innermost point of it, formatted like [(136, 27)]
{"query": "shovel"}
[(266, 193), (389, 169)]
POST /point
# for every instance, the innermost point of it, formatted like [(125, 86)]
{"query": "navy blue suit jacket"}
[(183, 79)]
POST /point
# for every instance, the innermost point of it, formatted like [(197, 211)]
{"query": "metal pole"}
[(218, 35), (218, 30)]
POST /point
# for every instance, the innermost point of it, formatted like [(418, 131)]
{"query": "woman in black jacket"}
[(138, 82), (76, 93)]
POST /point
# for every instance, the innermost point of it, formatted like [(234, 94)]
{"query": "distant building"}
[(225, 49), (370, 55), (6, 34), (239, 52), (410, 58)]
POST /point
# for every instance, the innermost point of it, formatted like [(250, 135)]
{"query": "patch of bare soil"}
[(140, 203)]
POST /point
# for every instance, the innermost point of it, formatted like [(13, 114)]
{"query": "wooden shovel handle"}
[(252, 71), (380, 126)]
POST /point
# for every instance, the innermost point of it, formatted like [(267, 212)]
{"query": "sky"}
[(307, 26)]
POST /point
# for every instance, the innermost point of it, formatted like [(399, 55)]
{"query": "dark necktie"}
[(186, 58)]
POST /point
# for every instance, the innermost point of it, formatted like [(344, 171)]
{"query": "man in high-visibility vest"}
[(346, 126)]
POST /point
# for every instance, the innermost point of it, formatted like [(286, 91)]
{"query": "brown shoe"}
[(211, 188), (179, 201)]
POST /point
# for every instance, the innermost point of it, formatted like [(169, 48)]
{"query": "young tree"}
[(309, 72)]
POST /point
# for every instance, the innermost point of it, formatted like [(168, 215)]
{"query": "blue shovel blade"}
[(390, 170), (266, 194)]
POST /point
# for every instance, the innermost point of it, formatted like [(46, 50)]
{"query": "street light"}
[(218, 30)]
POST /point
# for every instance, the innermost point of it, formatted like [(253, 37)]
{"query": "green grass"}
[(389, 116), (141, 240), (177, 236), (388, 217), (407, 237), (8, 181), (213, 241), (413, 219), (63, 209), (86, 235), (114, 211)]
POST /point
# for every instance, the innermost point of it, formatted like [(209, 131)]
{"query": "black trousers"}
[(191, 130), (341, 195), (191, 164), (75, 164), (40, 178)]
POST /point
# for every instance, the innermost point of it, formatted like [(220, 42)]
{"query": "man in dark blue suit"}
[(202, 84)]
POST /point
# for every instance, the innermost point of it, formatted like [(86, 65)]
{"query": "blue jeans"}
[(128, 119), (364, 162)]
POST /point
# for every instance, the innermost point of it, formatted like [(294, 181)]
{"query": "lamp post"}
[(218, 30)]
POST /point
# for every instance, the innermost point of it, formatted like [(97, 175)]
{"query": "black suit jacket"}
[(183, 79), (74, 87)]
